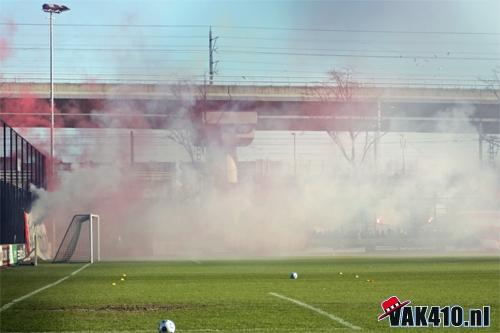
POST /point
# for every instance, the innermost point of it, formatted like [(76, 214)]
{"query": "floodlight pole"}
[(51, 9), (52, 120)]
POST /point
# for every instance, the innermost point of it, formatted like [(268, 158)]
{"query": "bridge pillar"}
[(480, 148), (222, 132), (222, 165)]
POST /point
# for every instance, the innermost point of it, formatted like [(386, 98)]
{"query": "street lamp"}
[(52, 9)]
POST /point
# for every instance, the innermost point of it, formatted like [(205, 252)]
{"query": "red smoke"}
[(5, 49), (30, 111), (11, 27)]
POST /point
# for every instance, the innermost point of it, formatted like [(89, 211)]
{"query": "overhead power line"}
[(243, 51), (111, 25), (108, 46), (99, 49), (359, 30), (360, 55), (153, 47), (89, 70), (311, 29), (356, 76), (95, 35), (472, 33), (364, 41)]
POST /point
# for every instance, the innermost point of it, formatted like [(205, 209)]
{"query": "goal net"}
[(81, 240)]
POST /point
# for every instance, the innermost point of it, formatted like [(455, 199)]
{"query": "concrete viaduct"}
[(398, 109)]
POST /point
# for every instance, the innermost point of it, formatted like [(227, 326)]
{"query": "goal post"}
[(81, 242)]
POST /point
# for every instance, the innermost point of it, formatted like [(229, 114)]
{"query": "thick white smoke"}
[(188, 213)]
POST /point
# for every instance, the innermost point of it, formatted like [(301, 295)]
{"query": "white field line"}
[(317, 310), (8, 305)]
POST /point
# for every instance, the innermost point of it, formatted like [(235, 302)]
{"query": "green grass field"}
[(234, 296)]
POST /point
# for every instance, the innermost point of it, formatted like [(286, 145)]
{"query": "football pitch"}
[(243, 295)]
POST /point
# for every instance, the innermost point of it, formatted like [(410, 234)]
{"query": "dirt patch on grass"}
[(129, 308)]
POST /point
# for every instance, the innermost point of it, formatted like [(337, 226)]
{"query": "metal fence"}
[(370, 81), (21, 166)]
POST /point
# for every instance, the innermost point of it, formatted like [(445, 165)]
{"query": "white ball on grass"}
[(166, 326), (294, 276)]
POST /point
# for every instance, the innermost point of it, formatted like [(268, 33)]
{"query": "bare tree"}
[(340, 87), (193, 100), (493, 84), (184, 138)]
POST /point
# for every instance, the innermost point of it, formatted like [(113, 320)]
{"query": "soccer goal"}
[(81, 241)]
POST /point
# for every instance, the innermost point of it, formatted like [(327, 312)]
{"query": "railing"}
[(457, 82)]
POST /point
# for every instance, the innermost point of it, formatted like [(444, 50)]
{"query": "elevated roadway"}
[(399, 109)]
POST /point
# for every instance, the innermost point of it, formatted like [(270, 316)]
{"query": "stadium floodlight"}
[(81, 242), (52, 9)]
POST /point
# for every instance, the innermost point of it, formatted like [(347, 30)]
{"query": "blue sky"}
[(274, 40)]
